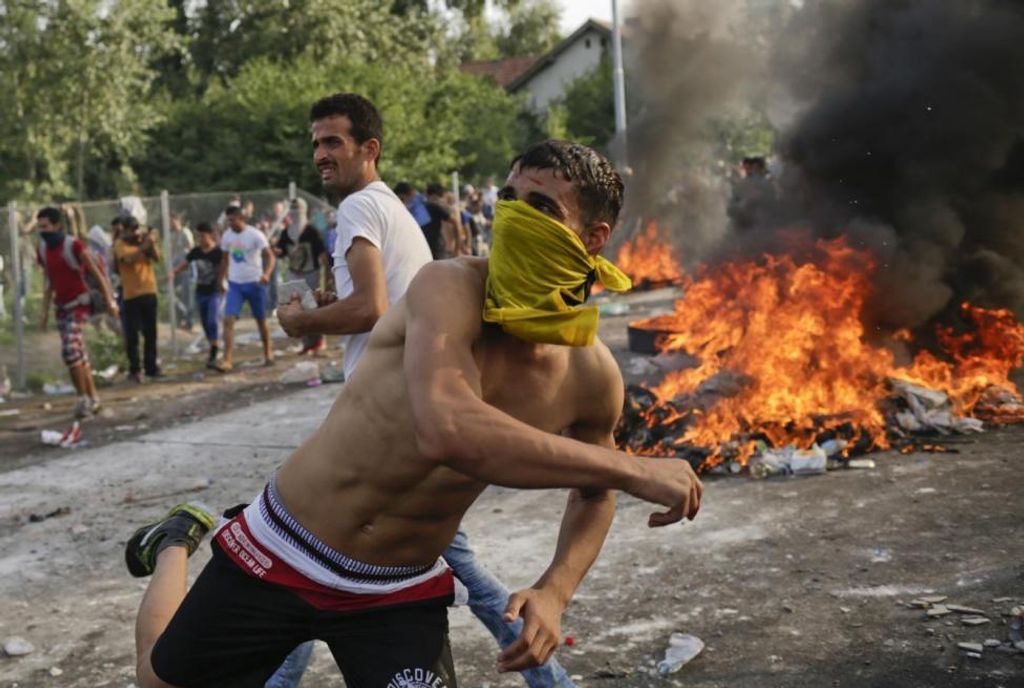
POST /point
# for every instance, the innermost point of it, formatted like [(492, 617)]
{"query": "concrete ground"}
[(790, 582)]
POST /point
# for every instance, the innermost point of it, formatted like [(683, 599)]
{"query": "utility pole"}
[(619, 84)]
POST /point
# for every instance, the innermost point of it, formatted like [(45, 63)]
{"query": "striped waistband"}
[(282, 523)]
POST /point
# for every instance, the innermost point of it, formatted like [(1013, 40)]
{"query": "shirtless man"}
[(486, 372)]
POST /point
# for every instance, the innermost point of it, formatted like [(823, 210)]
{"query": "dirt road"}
[(790, 582)]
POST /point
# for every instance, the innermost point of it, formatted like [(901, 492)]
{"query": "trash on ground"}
[(971, 647), (69, 439), (789, 461), (939, 610), (682, 648), (16, 647), (59, 511), (332, 372), (929, 410), (975, 620), (108, 373), (611, 308), (960, 609), (301, 372), (9, 412), (58, 388), (861, 464)]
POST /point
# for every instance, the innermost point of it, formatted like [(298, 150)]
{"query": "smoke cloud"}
[(900, 125)]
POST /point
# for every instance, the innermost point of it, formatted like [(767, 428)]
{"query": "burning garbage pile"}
[(766, 364), (648, 261)]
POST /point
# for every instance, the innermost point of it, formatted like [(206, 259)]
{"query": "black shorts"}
[(234, 630)]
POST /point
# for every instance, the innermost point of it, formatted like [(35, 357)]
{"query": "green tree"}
[(590, 107), (532, 28), (78, 78)]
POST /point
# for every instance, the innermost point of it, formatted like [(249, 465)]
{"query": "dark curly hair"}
[(599, 187), (366, 122)]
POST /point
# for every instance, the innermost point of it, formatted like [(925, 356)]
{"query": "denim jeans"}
[(294, 665), (487, 600)]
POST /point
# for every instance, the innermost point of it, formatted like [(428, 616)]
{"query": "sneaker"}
[(185, 524), (71, 437), (135, 377), (95, 405), (82, 408)]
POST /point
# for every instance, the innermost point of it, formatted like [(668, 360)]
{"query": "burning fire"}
[(646, 259), (781, 357)]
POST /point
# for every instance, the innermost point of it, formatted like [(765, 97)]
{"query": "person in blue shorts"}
[(247, 264)]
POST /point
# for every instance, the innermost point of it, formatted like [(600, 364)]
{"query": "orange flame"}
[(645, 258), (787, 335)]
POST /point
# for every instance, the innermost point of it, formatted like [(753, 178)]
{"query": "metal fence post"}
[(19, 326), (172, 298)]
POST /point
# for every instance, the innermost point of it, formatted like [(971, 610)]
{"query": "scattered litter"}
[(834, 446), (16, 647), (682, 647), (974, 655), (960, 609), (1000, 600), (974, 620), (9, 412), (570, 641), (971, 647), (107, 374), (1017, 627), (861, 463), (613, 308), (939, 610), (788, 461), (934, 599), (925, 490), (301, 372), (332, 372), (56, 671), (69, 439), (60, 511), (79, 529), (58, 388), (929, 410), (315, 382), (992, 642)]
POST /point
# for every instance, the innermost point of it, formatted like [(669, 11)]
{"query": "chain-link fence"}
[(22, 281)]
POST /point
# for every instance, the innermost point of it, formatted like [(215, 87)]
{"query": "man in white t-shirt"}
[(247, 264), (380, 248)]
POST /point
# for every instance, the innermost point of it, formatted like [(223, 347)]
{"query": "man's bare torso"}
[(360, 483)]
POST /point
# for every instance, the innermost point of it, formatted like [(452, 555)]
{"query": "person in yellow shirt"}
[(136, 251)]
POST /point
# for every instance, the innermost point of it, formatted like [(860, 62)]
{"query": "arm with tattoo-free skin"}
[(457, 429), (358, 312)]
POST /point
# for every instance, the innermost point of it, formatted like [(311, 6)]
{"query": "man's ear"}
[(372, 148), (595, 237)]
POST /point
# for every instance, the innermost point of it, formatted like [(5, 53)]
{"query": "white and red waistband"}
[(266, 542)]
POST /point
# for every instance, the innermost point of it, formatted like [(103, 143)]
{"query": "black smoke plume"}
[(900, 125)]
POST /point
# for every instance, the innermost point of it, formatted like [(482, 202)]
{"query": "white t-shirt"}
[(245, 264), (376, 214)]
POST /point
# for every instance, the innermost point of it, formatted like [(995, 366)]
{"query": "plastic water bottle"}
[(682, 647)]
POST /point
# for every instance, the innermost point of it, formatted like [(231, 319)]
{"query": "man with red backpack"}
[(65, 260)]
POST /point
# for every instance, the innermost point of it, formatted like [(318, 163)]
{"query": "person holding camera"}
[(136, 252)]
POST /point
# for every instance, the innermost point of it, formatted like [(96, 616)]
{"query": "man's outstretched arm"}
[(456, 428), (585, 523)]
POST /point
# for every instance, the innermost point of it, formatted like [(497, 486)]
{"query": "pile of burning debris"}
[(765, 364)]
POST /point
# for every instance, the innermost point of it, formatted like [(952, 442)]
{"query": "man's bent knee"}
[(146, 676)]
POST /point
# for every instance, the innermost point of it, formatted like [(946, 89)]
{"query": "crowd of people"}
[(219, 265)]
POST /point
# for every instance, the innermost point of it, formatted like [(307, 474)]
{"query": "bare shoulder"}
[(448, 294), (601, 389)]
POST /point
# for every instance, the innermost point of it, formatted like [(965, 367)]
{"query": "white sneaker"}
[(82, 407)]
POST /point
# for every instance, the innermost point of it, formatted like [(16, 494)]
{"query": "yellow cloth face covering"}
[(539, 274)]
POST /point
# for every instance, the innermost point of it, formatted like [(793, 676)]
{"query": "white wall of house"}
[(551, 82)]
